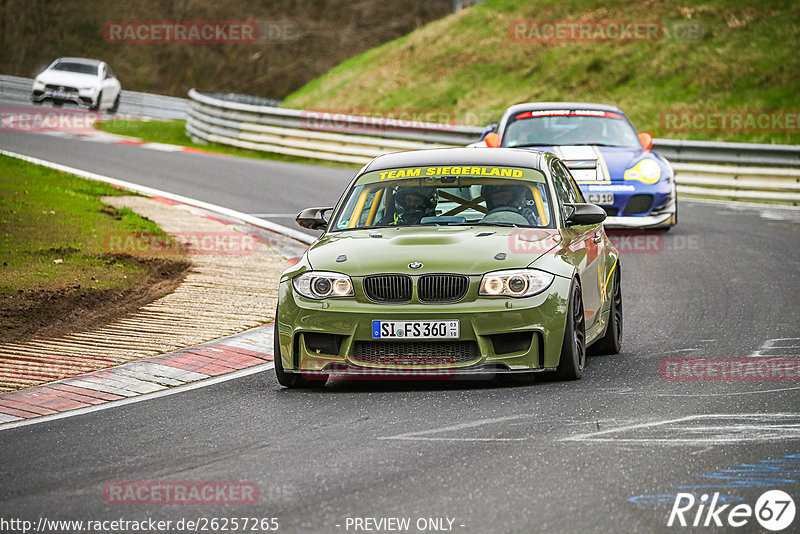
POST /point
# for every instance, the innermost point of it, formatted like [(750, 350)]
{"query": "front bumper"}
[(480, 371), (318, 338), (80, 97), (662, 214), (662, 220)]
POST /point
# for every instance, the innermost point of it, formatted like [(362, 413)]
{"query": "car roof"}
[(83, 60), (562, 105), (511, 157)]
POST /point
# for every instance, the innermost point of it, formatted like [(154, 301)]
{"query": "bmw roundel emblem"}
[(415, 265)]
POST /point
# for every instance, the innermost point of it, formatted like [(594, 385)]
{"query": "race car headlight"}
[(321, 285), (647, 171), (515, 283), (38, 84)]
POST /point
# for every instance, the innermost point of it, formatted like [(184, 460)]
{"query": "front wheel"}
[(115, 107), (290, 380), (96, 105), (573, 349)]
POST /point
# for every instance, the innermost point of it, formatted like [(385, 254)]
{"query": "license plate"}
[(602, 199), (60, 94), (445, 329)]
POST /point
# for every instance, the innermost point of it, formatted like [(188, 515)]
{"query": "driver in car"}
[(411, 204), (509, 198)]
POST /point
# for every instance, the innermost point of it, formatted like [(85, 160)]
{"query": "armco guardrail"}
[(352, 139), (343, 138), (729, 153), (14, 89), (739, 183)]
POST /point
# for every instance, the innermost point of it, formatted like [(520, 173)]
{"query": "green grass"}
[(747, 59), (174, 133), (45, 216)]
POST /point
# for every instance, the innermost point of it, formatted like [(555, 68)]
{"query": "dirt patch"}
[(44, 313)]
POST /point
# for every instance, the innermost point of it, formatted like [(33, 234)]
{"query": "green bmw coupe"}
[(447, 263)]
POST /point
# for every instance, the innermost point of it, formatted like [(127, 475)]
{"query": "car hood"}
[(470, 250), (72, 79), (614, 160)]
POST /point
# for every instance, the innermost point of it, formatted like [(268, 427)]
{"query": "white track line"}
[(422, 435), (249, 219), (149, 191), (139, 398)]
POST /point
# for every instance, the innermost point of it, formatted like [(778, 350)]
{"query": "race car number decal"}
[(446, 329)]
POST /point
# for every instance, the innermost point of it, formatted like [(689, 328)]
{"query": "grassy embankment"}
[(467, 63), (54, 249)]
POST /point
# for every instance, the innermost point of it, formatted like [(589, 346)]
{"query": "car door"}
[(584, 243)]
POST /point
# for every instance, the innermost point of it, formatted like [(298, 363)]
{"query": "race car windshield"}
[(562, 128), (80, 68), (487, 196)]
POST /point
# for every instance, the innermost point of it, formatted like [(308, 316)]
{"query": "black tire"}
[(611, 342), (96, 106), (115, 107), (573, 349), (666, 229), (290, 380)]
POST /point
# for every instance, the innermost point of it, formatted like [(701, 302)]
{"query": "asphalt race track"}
[(605, 454)]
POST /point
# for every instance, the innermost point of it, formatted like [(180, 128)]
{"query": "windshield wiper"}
[(590, 144), (506, 224)]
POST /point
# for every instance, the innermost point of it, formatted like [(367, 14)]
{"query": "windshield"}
[(70, 66), (453, 196), (569, 127)]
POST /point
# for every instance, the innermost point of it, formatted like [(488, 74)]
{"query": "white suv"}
[(85, 82)]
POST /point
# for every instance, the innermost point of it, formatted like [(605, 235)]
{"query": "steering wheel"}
[(500, 209), (507, 214)]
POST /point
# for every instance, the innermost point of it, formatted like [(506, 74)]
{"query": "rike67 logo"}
[(774, 511)]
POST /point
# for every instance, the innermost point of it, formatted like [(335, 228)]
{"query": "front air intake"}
[(442, 287), (392, 288)]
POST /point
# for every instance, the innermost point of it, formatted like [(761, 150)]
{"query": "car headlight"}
[(38, 84), (89, 89), (647, 171), (321, 285), (515, 283)]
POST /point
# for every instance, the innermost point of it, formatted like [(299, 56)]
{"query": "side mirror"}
[(580, 214), (647, 140), (313, 218), (492, 140)]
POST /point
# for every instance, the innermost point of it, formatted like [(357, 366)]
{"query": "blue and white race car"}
[(614, 166)]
